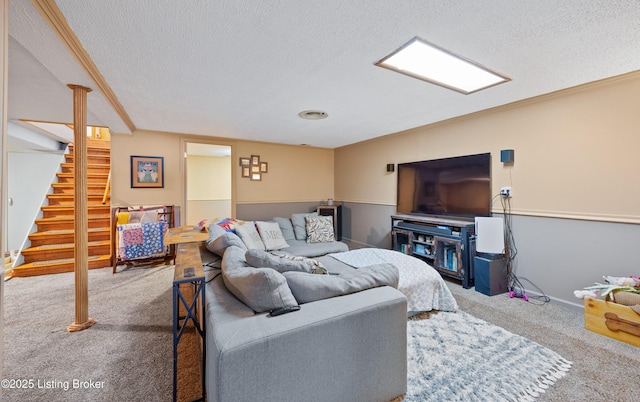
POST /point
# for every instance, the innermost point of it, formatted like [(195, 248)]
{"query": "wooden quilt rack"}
[(165, 213)]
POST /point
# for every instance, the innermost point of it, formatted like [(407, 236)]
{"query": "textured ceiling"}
[(244, 69)]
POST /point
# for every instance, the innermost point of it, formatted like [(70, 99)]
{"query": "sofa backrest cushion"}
[(300, 224), (250, 236), (286, 227), (271, 235), (220, 239), (282, 262), (262, 289), (307, 288)]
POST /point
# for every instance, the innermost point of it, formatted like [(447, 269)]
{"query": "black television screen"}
[(451, 187)]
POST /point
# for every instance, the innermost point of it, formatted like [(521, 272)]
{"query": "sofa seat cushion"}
[(262, 289), (307, 288), (282, 262), (304, 249)]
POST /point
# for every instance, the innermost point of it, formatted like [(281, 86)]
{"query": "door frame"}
[(234, 168)]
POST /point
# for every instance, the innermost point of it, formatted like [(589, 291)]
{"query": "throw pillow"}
[(262, 289), (220, 239), (250, 235), (207, 221), (283, 262), (320, 229), (230, 224), (271, 235), (300, 225), (307, 288), (286, 227)]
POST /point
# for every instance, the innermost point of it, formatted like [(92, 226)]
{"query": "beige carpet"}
[(604, 369), (130, 346), (129, 350)]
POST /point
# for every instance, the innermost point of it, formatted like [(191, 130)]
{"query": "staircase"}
[(52, 245)]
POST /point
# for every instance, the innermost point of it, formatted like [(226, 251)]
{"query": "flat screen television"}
[(458, 187)]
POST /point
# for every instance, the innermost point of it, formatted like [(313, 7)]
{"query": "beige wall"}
[(575, 153), (146, 143), (211, 178), (208, 187), (295, 173)]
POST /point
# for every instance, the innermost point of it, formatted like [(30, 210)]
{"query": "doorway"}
[(208, 181)]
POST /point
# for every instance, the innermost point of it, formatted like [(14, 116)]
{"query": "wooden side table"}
[(185, 234), (188, 269)]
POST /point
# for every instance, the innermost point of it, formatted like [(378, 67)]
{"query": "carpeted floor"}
[(126, 356), (604, 369)]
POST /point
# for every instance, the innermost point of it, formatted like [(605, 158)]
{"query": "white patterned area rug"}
[(454, 356)]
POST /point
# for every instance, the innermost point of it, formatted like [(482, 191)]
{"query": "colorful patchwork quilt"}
[(141, 240)]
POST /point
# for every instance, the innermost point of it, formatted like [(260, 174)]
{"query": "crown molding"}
[(56, 20)]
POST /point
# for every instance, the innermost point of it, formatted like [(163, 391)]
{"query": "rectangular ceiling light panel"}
[(423, 60)]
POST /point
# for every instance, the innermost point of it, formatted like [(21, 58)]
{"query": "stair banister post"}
[(81, 214)]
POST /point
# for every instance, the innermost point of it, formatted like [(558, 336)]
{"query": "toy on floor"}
[(614, 284)]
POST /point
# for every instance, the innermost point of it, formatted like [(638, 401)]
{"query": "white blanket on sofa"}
[(419, 282)]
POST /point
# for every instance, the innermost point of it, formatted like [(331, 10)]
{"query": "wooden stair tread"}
[(71, 205), (69, 218), (90, 194), (72, 185), (70, 164), (54, 241), (95, 175), (57, 232), (95, 144), (63, 245), (59, 266), (61, 261)]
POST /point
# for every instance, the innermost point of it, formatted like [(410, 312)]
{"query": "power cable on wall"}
[(516, 288)]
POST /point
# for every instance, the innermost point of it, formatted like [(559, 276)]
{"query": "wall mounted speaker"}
[(506, 156), (391, 167)]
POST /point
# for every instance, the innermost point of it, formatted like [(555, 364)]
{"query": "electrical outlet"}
[(505, 192)]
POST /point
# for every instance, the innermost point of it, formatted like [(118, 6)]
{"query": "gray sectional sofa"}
[(346, 343)]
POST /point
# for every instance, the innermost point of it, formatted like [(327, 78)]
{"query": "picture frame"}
[(147, 171), (252, 168)]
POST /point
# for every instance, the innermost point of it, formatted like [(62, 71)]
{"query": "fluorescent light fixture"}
[(426, 61)]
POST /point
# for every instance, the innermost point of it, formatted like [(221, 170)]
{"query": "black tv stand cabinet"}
[(448, 245)]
